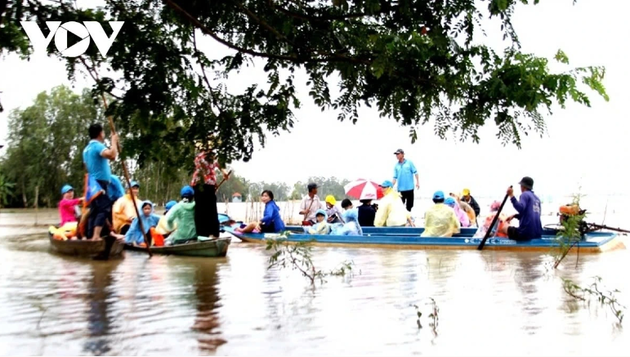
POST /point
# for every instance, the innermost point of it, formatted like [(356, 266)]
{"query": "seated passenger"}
[(67, 205), (392, 211), (499, 229), (440, 220), (351, 227), (461, 215), (162, 230), (334, 214), (321, 227), (271, 222), (180, 219), (366, 212), (135, 235), (123, 211), (346, 204)]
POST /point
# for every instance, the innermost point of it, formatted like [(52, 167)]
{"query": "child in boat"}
[(351, 227), (271, 222), (440, 220), (332, 211), (346, 204), (67, 206), (123, 211), (461, 215), (321, 227), (181, 218), (135, 235)]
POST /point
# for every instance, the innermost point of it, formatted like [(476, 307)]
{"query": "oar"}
[(494, 220), (223, 180)]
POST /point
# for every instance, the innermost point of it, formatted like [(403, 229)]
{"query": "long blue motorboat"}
[(409, 238)]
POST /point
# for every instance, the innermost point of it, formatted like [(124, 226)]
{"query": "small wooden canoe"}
[(409, 238), (84, 247), (210, 248)]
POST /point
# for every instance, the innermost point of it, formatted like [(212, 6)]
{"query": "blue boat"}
[(409, 238)]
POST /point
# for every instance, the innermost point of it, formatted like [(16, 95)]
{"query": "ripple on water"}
[(490, 303)]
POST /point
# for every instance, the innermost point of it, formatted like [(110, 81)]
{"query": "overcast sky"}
[(586, 146)]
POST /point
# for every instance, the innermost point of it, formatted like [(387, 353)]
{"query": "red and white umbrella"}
[(364, 189)]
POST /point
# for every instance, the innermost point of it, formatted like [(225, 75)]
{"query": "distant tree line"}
[(44, 152)]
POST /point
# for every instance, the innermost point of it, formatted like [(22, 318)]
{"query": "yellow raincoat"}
[(391, 211), (123, 210), (440, 221)]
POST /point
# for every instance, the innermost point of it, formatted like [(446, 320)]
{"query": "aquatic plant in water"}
[(298, 256), (433, 316), (586, 294), (570, 234)]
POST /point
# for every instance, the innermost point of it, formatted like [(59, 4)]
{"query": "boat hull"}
[(84, 247), (211, 249), (596, 242)]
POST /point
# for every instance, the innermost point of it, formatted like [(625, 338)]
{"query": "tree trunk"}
[(24, 200), (36, 202)]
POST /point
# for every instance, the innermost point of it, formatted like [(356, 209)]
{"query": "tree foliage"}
[(416, 61), (45, 144)]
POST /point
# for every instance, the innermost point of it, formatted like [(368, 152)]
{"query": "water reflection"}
[(207, 321), (98, 299)]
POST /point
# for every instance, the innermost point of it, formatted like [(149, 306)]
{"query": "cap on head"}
[(331, 199), (320, 212), (399, 151), (386, 184), (312, 186), (66, 188), (450, 201), (438, 195), (527, 182), (187, 191), (466, 192), (169, 205), (134, 184)]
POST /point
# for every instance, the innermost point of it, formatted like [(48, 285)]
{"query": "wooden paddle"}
[(223, 180), (494, 220)]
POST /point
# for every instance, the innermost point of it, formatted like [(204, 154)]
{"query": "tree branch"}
[(205, 77)]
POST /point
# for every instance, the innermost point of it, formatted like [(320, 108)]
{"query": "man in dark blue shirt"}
[(528, 208)]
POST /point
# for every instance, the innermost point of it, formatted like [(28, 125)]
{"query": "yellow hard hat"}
[(466, 192), (331, 199)]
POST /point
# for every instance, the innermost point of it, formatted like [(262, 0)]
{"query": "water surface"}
[(490, 303)]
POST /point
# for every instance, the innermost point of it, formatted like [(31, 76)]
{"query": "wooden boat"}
[(210, 248), (409, 238), (84, 247)]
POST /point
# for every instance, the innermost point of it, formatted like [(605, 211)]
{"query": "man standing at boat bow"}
[(95, 158), (404, 173)]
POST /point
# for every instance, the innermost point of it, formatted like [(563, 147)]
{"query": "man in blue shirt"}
[(404, 172), (528, 208), (96, 158)]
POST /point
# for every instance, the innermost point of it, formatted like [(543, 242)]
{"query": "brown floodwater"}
[(490, 303)]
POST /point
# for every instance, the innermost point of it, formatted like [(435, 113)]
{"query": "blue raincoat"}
[(322, 227), (134, 234), (351, 227)]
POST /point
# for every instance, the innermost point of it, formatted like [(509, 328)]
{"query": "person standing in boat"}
[(528, 208), (404, 173), (204, 184), (310, 205), (96, 157)]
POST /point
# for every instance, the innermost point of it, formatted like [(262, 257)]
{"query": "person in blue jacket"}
[(149, 219), (271, 222)]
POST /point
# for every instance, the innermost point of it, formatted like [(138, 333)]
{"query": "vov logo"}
[(85, 31)]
